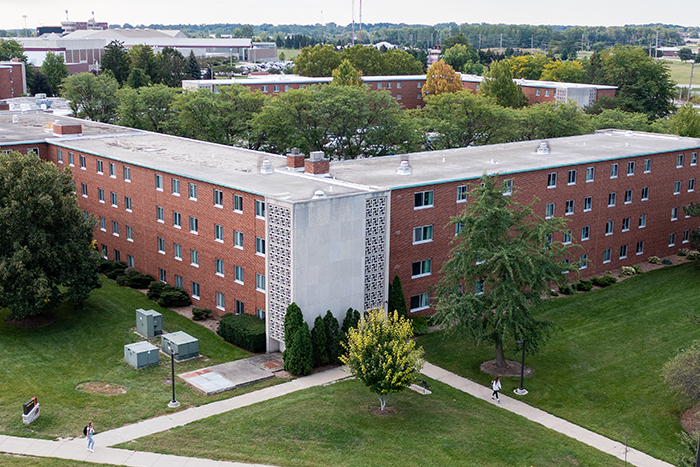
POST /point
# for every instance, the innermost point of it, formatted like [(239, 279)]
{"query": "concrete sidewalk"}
[(576, 432)]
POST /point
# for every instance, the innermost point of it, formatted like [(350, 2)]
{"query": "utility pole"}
[(656, 51), (352, 39), (360, 21), (479, 41), (501, 46), (690, 86), (532, 43), (582, 39)]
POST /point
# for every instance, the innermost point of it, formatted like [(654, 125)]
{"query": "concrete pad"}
[(142, 459), (71, 451), (16, 445), (226, 376), (108, 456), (44, 447), (166, 460), (195, 462)]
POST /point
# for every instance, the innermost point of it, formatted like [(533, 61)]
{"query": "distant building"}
[(13, 79)]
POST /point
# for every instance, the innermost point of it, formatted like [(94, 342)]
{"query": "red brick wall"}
[(605, 92), (11, 80), (533, 98), (534, 183)]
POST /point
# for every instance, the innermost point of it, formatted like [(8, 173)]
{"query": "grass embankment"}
[(601, 370), (88, 345), (335, 425)]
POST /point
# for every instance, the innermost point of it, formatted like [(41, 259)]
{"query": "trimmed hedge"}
[(245, 331), (199, 314), (168, 295), (603, 281), (584, 286)]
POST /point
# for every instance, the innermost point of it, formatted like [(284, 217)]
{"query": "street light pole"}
[(521, 391), (173, 403)]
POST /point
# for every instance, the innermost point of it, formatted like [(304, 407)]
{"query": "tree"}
[(682, 373), (689, 456), (142, 57), (381, 353), (553, 120), (451, 41), (41, 84), (347, 75), (293, 319), (568, 72), (352, 317), (441, 78), (399, 62), (319, 60), (9, 49), (138, 78), (194, 71), (172, 67), (319, 342), (55, 69), (397, 300), (693, 210), (116, 59), (298, 357), (498, 85), (368, 60), (615, 118), (92, 97), (148, 108), (686, 121), (461, 57), (45, 249), (247, 31), (503, 264), (686, 54), (332, 336), (528, 66)]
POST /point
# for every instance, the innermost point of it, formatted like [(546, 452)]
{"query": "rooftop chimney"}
[(295, 160), (63, 129), (403, 169), (544, 148), (266, 167), (317, 164)]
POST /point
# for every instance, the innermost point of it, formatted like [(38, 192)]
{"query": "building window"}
[(590, 174), (462, 193), (99, 167), (647, 166), (612, 197), (479, 287), (549, 238), (585, 232), (162, 275), (260, 313), (260, 281), (175, 187), (195, 290), (129, 261), (178, 281), (645, 193), (239, 274), (219, 267), (193, 191), (628, 196), (672, 238), (177, 251), (60, 156), (194, 258), (113, 198), (609, 227), (117, 255), (115, 228), (422, 268), (221, 300), (159, 182), (84, 190), (398, 85), (83, 163), (546, 93), (630, 168), (103, 224), (129, 233), (127, 174), (587, 203), (691, 184), (71, 159), (239, 307), (508, 187), (388, 85), (238, 239), (567, 236), (613, 170), (549, 211), (420, 302), (398, 97), (259, 209), (160, 214), (642, 221), (458, 228), (259, 246), (623, 252), (104, 251), (112, 170), (607, 253), (423, 234), (161, 245), (419, 96), (583, 259), (674, 214), (275, 88), (569, 207), (537, 92), (101, 195), (640, 247), (552, 180), (194, 225), (219, 233), (694, 158), (677, 187), (218, 198), (127, 203), (625, 224), (264, 88), (379, 85), (237, 203), (423, 199), (572, 177), (679, 160)]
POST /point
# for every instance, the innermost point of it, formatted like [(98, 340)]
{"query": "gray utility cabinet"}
[(149, 323), (185, 345), (141, 354)]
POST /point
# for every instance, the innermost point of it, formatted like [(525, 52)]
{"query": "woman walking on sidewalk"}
[(91, 442), (496, 386)]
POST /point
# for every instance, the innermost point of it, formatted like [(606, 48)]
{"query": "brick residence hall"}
[(250, 232)]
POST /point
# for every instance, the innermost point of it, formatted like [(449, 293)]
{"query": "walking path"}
[(76, 449), (583, 435)]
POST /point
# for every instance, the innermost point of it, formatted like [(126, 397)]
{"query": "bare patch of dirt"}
[(106, 389), (690, 420), (383, 413), (33, 321), (512, 368), (283, 374)]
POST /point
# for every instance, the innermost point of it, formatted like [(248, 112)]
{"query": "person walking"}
[(91, 442), (496, 386)]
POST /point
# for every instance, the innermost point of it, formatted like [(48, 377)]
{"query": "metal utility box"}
[(149, 323), (141, 354), (185, 345)]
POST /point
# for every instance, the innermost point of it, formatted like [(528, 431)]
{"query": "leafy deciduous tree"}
[(682, 373), (498, 85), (172, 66), (441, 78), (92, 97), (686, 121), (319, 60), (347, 75), (148, 108), (137, 79), (54, 69), (116, 59), (553, 120)]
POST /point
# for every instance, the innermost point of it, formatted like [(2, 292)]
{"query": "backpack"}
[(85, 430)]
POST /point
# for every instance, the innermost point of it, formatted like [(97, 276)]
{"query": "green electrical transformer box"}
[(141, 354), (185, 345), (149, 323)]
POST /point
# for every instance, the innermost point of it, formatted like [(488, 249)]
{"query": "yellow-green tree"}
[(441, 78), (347, 75), (566, 72), (381, 353)]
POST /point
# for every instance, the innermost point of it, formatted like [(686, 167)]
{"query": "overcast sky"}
[(564, 12)]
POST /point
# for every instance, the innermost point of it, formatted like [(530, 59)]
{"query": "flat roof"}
[(239, 168)]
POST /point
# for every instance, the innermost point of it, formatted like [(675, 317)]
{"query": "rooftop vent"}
[(319, 194), (15, 119), (266, 167), (544, 148), (403, 169)]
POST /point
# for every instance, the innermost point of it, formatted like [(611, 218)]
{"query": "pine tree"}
[(332, 337), (319, 342), (397, 300), (299, 356), (193, 69), (293, 321)]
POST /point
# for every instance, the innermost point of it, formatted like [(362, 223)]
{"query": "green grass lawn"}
[(88, 345), (289, 54), (680, 72), (24, 461), (335, 426), (601, 370)]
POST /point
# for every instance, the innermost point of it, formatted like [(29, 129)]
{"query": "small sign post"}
[(31, 411)]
